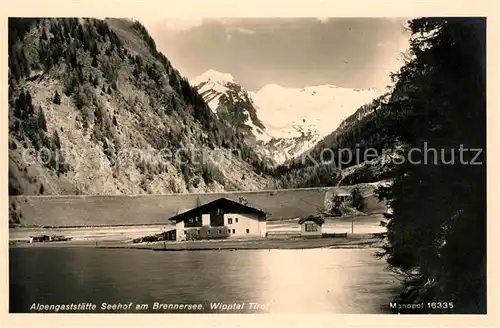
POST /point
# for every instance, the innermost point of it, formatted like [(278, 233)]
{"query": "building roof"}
[(315, 218), (223, 203)]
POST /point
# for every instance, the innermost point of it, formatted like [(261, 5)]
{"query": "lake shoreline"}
[(352, 241)]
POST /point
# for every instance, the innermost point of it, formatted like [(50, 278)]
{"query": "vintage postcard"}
[(247, 165)]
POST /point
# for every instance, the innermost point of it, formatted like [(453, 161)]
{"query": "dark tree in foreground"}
[(437, 232)]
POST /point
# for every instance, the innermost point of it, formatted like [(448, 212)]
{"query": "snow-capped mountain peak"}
[(285, 121), (318, 109), (229, 100), (214, 77), (212, 85)]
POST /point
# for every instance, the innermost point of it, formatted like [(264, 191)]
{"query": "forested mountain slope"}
[(100, 96), (339, 158)]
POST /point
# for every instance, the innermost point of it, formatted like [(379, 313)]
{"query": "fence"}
[(297, 234), (283, 234), (335, 235)]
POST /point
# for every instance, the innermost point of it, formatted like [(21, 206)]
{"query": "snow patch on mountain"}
[(291, 112), (211, 85), (225, 96), (213, 76), (285, 122)]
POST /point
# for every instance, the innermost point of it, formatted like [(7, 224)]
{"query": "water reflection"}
[(319, 280), (291, 281)]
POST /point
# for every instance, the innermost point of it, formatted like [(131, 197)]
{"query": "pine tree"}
[(56, 140), (206, 174), (42, 122), (243, 200), (357, 198), (44, 34), (94, 51), (49, 63), (15, 68), (436, 208), (29, 103), (20, 106), (72, 85), (57, 98)]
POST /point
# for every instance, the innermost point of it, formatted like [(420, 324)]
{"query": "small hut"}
[(310, 227)]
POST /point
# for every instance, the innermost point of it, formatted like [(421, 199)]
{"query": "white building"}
[(220, 219), (311, 226)]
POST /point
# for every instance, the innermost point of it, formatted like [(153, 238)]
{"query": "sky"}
[(292, 52)]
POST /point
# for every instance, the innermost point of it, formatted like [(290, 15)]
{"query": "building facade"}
[(311, 227), (220, 219)]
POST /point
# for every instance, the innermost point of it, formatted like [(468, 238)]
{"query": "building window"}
[(220, 231), (234, 231), (236, 220), (311, 227), (209, 232), (229, 221), (198, 231), (248, 230), (228, 230)]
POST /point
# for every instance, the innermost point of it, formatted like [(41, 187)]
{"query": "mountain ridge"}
[(99, 89), (284, 121)]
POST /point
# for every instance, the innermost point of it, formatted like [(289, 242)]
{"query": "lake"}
[(276, 281)]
